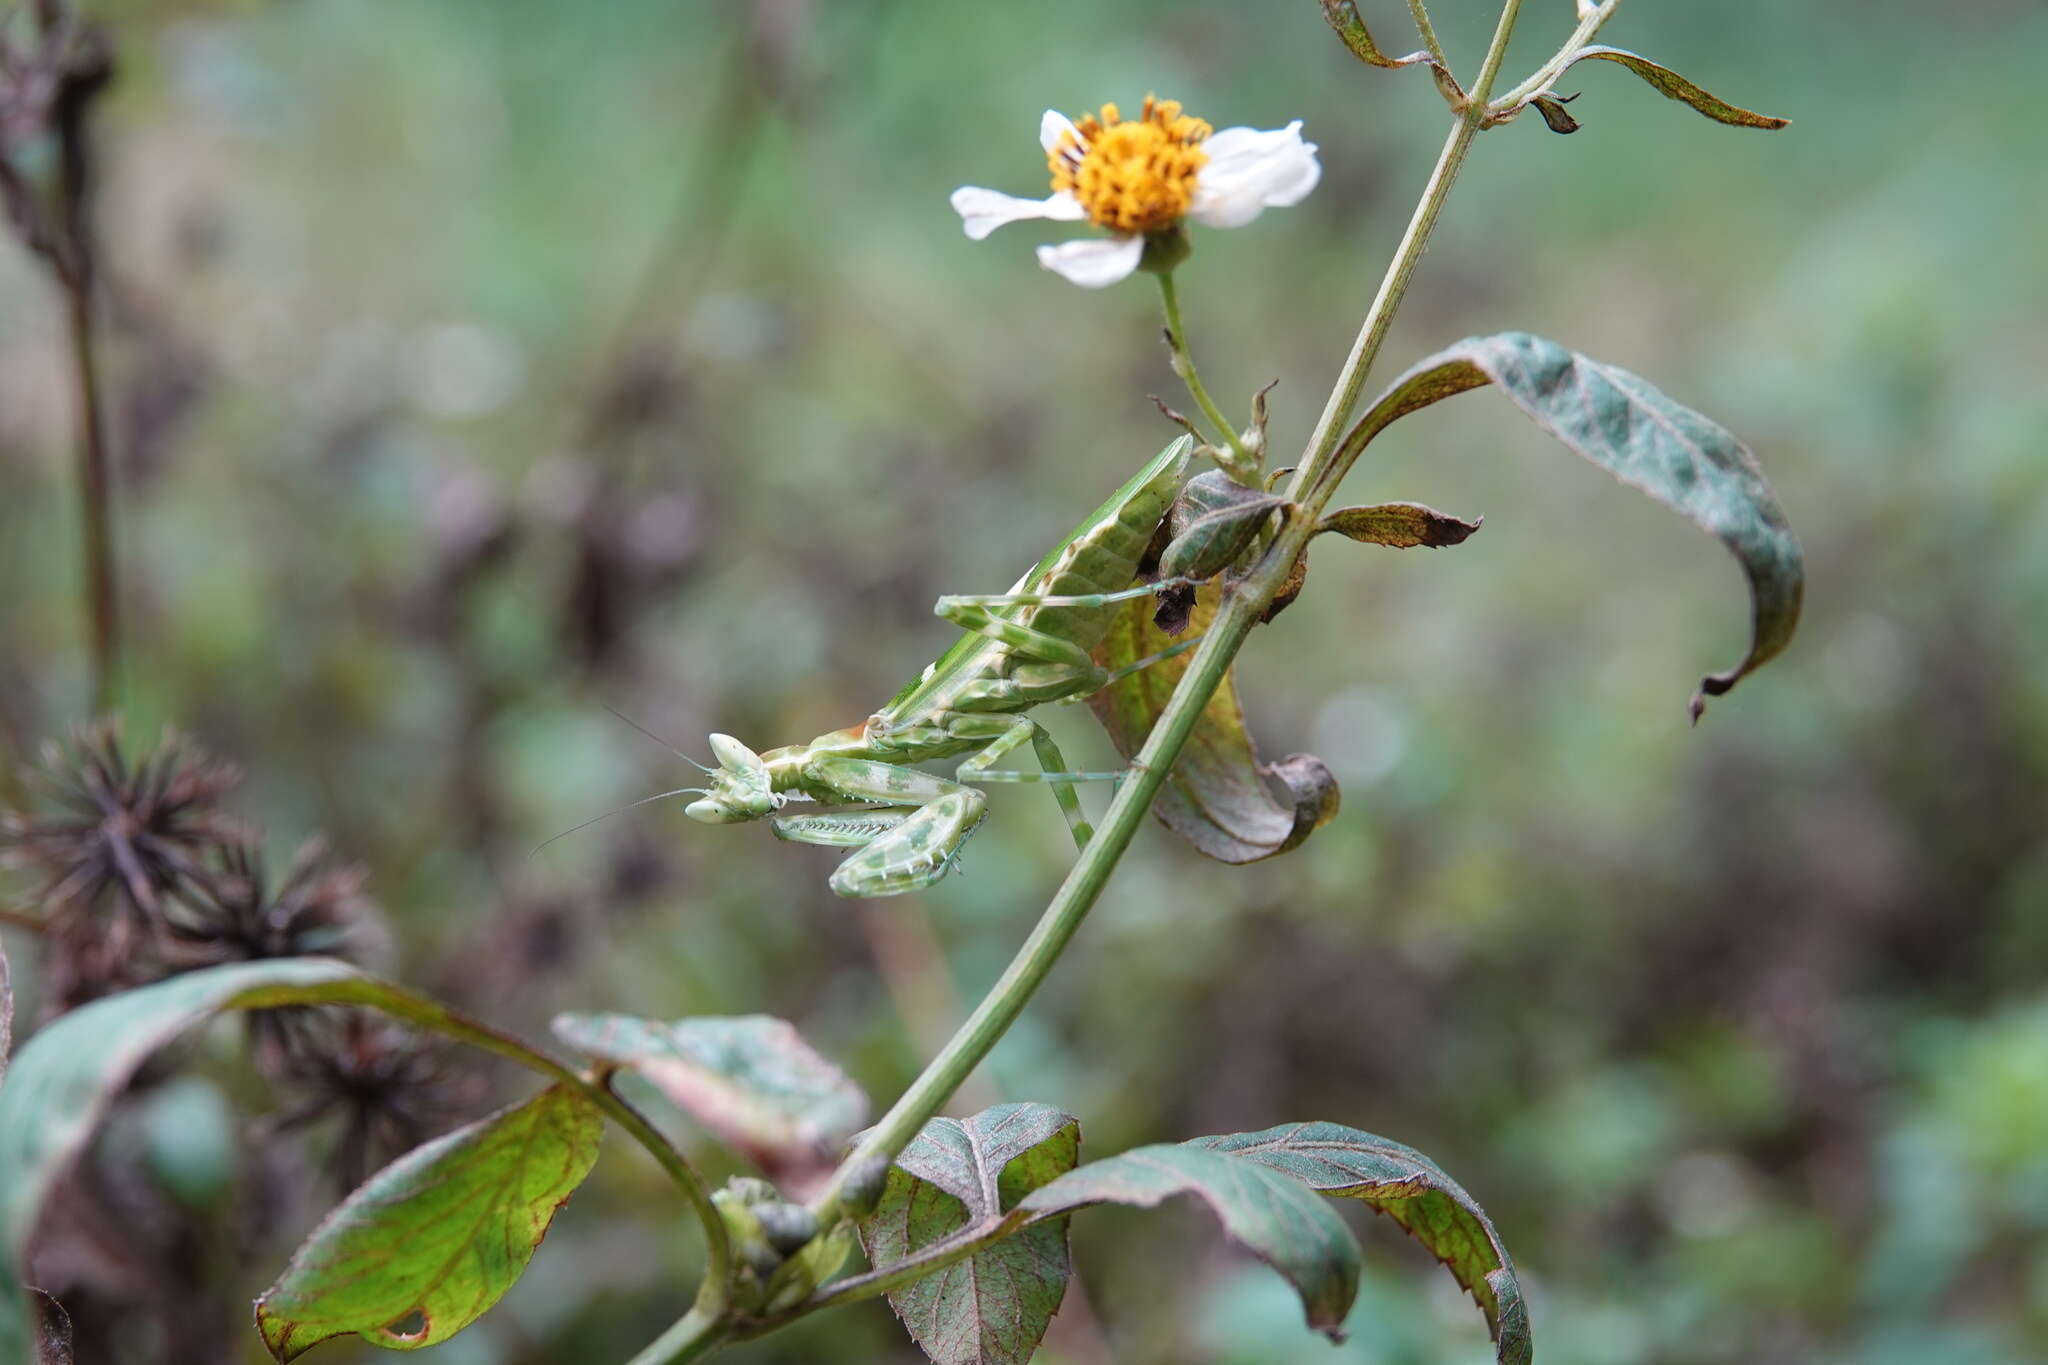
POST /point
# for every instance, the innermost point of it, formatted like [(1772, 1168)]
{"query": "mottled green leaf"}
[(1402, 525), (64, 1078), (751, 1080), (1618, 421), (1671, 85), (1212, 522), (1411, 1189), (1216, 797), (1271, 1214), (993, 1307), (437, 1237)]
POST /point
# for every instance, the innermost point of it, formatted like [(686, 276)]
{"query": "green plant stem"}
[(1245, 468), (1234, 620), (1428, 31), (691, 1337), (1240, 611), (1555, 67), (1372, 334), (927, 1260)]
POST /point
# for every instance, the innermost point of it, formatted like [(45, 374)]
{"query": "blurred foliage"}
[(475, 367)]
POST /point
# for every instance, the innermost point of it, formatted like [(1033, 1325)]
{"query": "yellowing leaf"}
[(437, 1237), (1217, 796)]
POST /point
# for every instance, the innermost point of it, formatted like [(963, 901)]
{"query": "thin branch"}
[(1428, 31)]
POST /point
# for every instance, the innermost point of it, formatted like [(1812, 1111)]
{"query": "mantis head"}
[(740, 788)]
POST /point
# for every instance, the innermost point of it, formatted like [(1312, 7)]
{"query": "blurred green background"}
[(476, 367)]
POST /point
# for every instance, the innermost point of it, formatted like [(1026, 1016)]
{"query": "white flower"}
[(1144, 176)]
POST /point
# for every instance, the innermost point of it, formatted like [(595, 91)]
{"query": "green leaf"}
[(1402, 525), (1217, 796), (751, 1080), (1212, 522), (1671, 85), (67, 1075), (1411, 1189), (1618, 421), (1271, 1214), (437, 1237), (993, 1307)]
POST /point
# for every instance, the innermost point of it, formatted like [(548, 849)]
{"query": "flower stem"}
[(1243, 467), (1372, 334)]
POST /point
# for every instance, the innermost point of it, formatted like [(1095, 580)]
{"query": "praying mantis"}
[(1021, 649)]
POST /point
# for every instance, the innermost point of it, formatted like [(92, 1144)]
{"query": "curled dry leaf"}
[(1555, 114), (1344, 20), (1217, 797), (1671, 85), (1213, 521), (1401, 525)]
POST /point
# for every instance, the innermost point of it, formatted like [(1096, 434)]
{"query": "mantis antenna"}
[(621, 810), (620, 715)]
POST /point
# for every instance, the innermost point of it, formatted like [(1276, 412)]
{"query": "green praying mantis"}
[(1021, 649)]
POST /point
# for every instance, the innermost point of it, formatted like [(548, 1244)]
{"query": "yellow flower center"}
[(1136, 176)]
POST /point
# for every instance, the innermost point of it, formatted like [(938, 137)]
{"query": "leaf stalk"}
[(1591, 19)]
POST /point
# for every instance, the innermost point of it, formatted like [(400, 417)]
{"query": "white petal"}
[(983, 211), (1093, 262), (1250, 170), (1053, 126)]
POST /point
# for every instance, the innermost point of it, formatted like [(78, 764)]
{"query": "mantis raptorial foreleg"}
[(898, 850), (1029, 647), (840, 828)]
